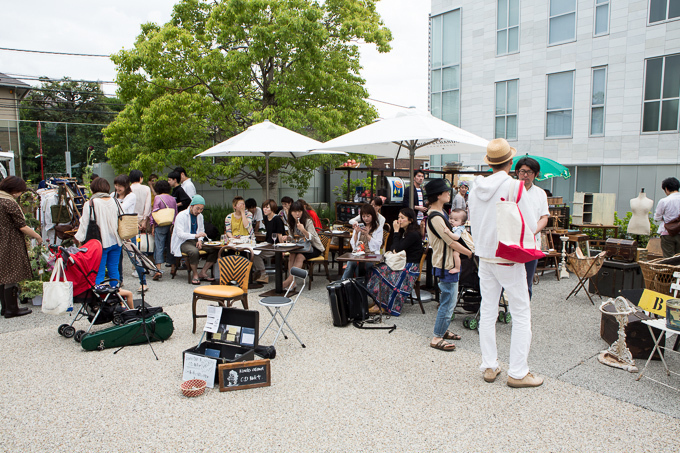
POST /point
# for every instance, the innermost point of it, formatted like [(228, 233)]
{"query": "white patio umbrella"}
[(409, 131), (266, 139)]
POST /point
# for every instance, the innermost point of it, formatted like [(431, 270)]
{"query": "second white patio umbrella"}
[(266, 139), (409, 131)]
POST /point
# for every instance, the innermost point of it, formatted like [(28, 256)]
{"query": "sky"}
[(97, 27)]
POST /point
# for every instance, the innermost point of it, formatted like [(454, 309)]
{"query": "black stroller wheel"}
[(79, 336), (118, 319), (61, 329), (68, 331), (466, 322)]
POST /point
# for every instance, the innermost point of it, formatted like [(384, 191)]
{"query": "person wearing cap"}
[(497, 274), (443, 246), (187, 238), (459, 200)]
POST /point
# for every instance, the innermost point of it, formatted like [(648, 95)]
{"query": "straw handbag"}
[(165, 216), (127, 224)]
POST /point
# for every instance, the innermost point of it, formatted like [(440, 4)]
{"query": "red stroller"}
[(99, 303)]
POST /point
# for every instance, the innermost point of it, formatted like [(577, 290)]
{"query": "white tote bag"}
[(145, 242), (516, 242), (58, 292), (396, 261)]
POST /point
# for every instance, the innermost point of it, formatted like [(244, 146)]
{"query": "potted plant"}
[(33, 288)]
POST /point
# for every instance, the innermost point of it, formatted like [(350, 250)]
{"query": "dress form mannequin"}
[(640, 207)]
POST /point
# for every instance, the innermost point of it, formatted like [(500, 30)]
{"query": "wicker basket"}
[(193, 387), (658, 274), (585, 267)]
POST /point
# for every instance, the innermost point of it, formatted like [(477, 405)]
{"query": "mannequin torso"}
[(640, 207)]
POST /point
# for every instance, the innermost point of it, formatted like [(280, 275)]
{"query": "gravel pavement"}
[(349, 390)]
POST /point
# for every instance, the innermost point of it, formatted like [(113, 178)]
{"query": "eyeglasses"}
[(526, 172)]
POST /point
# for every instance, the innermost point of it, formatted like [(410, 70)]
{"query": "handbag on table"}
[(516, 242), (58, 292), (127, 224), (165, 216)]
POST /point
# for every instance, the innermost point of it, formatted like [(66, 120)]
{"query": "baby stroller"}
[(99, 303), (470, 296)]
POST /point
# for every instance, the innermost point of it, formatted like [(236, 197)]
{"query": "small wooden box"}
[(554, 201), (621, 250), (642, 254)]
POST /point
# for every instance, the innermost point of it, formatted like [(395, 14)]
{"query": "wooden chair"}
[(320, 260), (416, 287), (335, 248), (551, 257), (234, 272), (386, 235)]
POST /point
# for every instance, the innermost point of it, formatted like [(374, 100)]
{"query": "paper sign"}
[(654, 302), (197, 367), (212, 323)]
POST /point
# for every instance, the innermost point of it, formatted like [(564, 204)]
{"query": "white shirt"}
[(538, 202), (667, 210), (143, 202), (381, 220), (182, 231), (258, 216), (374, 243), (128, 203), (458, 202), (106, 211), (189, 187)]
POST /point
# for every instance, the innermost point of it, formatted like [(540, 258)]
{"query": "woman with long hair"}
[(367, 233), (392, 288), (301, 228)]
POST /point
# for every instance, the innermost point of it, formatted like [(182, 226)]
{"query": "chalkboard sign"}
[(244, 375)]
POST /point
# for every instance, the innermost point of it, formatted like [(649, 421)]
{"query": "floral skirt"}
[(392, 288)]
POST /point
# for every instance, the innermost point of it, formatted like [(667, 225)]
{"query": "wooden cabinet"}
[(593, 208)]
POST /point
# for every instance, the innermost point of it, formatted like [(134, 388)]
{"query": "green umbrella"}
[(549, 168)]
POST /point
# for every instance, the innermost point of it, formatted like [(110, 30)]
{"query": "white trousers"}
[(493, 278)]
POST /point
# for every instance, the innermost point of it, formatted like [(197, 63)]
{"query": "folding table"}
[(659, 324)]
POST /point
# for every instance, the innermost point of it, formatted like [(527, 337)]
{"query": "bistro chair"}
[(320, 260), (274, 304), (416, 286), (233, 286)]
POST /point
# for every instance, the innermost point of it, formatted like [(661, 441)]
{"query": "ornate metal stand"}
[(618, 355), (564, 273)]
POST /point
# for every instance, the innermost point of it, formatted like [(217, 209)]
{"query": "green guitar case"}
[(159, 327)]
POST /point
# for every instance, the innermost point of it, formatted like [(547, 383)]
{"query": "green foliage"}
[(341, 190), (327, 212), (29, 205), (217, 68), (216, 214), (622, 223), (37, 258)]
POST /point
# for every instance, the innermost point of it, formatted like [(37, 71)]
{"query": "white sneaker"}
[(134, 273)]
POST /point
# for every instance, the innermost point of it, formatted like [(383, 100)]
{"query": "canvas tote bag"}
[(516, 242), (165, 216), (396, 261), (58, 292)]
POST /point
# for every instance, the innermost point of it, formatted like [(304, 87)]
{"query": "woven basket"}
[(193, 387), (658, 274), (582, 266), (127, 226)]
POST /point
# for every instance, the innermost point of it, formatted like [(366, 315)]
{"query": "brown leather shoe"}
[(491, 375), (527, 381)]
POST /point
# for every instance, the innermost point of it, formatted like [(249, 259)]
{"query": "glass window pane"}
[(560, 89), (561, 7), (512, 96), (669, 115), (436, 105), (513, 39), (450, 78), (671, 80), (436, 81), (597, 121), (450, 109), (601, 19), (653, 79), (511, 129), (500, 127), (500, 98), (451, 37), (559, 124), (650, 117), (436, 41), (674, 9), (657, 10), (598, 86), (502, 14), (562, 28), (502, 42), (513, 17), (599, 2)]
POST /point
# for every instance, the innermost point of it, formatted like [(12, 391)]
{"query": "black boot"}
[(12, 304), (2, 299)]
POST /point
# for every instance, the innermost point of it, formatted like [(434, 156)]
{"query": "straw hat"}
[(499, 151)]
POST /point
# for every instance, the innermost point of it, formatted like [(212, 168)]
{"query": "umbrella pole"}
[(411, 162), (266, 165)]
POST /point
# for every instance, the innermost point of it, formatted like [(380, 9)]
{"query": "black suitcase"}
[(337, 296)]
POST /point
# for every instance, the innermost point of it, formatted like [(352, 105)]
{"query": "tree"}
[(56, 104), (218, 67)]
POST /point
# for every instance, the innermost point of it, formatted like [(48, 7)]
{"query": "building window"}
[(506, 110), (662, 10), (601, 17), (507, 27), (560, 105), (562, 22), (662, 94), (445, 67), (597, 100)]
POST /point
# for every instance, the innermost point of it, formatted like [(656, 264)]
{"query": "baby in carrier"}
[(459, 234)]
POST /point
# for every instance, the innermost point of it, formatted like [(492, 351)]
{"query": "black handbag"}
[(93, 231)]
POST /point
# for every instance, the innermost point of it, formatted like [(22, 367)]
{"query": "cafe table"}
[(279, 250), (341, 236), (373, 258)]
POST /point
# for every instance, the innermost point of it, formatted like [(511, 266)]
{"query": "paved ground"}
[(348, 390)]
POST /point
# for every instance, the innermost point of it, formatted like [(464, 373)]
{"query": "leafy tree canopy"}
[(219, 67)]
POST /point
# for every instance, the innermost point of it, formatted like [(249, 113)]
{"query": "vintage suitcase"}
[(160, 325), (337, 298), (615, 276), (235, 341), (621, 250), (638, 338)]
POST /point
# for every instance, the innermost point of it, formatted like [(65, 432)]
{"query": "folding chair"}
[(585, 267), (278, 302)]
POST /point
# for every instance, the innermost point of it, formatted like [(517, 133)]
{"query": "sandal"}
[(195, 281), (206, 279), (443, 345), (157, 276), (451, 336)]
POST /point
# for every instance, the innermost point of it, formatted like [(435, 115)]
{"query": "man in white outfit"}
[(186, 182), (496, 274)]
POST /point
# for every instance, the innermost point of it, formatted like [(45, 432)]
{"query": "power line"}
[(47, 79), (23, 107), (55, 53), (62, 122), (62, 101)]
